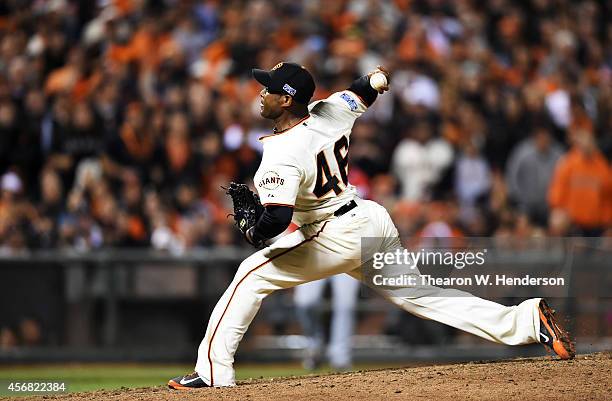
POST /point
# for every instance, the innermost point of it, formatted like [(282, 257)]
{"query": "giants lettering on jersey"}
[(271, 180)]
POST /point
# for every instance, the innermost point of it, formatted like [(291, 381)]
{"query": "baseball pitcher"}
[(303, 177)]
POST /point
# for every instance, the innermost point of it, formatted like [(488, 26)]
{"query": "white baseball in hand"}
[(378, 81)]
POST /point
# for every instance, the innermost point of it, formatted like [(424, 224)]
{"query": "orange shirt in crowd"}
[(582, 186)]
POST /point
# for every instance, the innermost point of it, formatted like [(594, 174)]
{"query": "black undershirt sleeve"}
[(273, 221), (361, 86)]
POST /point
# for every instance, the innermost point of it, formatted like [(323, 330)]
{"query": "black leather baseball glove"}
[(247, 206)]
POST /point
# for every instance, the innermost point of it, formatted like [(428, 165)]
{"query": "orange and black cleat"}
[(187, 382), (552, 335)]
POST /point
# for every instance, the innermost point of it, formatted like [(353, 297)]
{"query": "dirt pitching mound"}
[(585, 378)]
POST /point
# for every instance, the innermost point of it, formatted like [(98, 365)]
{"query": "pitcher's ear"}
[(287, 101)]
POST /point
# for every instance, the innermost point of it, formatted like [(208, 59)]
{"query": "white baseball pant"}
[(331, 247)]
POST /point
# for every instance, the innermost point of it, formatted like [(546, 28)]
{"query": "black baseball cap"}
[(287, 79)]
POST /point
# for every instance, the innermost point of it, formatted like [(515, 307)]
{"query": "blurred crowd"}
[(120, 120)]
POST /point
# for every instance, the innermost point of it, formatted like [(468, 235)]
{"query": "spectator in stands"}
[(472, 179), (8, 133), (134, 148), (193, 217), (77, 228), (49, 209), (529, 172), (27, 153), (582, 185), (419, 160)]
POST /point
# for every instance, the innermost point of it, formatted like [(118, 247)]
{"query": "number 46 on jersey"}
[(326, 180)]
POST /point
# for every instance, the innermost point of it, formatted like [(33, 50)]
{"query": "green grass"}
[(89, 377), (93, 377)]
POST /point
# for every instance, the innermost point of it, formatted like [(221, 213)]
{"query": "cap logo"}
[(289, 89), (277, 66)]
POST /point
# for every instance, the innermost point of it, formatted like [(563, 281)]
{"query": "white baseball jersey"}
[(306, 166)]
